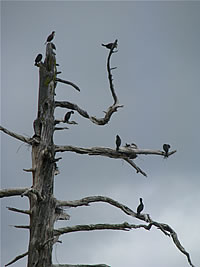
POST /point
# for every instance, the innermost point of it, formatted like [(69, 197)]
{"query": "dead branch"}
[(19, 210), (135, 166), (60, 128), (123, 153), (165, 228), (21, 226), (12, 192), (29, 170), (110, 74), (113, 108), (17, 258), (17, 136), (101, 226), (68, 82)]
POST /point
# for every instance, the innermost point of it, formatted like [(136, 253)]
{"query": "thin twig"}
[(19, 210), (17, 136), (69, 83), (17, 258)]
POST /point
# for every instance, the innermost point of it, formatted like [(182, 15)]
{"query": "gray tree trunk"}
[(43, 209)]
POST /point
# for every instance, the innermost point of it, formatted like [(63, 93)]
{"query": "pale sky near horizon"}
[(157, 80)]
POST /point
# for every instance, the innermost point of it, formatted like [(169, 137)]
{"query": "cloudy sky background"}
[(157, 80)]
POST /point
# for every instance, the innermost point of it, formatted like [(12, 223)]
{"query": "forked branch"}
[(165, 228), (124, 153), (113, 108)]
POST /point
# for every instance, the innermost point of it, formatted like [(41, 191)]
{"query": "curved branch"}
[(17, 136), (84, 113), (112, 109), (12, 192), (165, 228), (68, 82), (110, 74)]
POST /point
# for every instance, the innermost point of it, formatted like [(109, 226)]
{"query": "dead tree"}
[(45, 209)]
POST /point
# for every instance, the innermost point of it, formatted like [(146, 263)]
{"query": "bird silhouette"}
[(118, 142), (68, 115), (38, 59), (50, 37), (166, 148), (140, 207), (109, 45)]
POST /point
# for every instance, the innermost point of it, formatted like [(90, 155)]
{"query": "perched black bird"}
[(166, 148), (68, 115), (110, 45), (140, 207), (38, 59), (50, 37), (118, 142)]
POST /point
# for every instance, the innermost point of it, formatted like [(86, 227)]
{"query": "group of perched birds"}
[(49, 39)]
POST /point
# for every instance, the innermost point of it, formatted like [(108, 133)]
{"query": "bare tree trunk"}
[(43, 166)]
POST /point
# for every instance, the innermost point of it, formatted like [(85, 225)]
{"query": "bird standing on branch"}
[(38, 59), (118, 142), (68, 115), (140, 207), (166, 148), (50, 37), (110, 45)]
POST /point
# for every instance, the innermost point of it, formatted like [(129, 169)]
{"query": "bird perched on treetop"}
[(68, 115), (38, 59), (50, 37), (166, 148), (140, 207), (118, 142), (110, 45)]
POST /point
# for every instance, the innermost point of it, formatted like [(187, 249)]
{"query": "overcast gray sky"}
[(157, 80)]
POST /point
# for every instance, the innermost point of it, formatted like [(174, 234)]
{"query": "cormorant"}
[(118, 142), (166, 148), (67, 115), (50, 37), (110, 45), (38, 59), (140, 207)]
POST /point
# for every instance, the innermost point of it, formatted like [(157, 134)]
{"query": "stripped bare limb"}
[(124, 153), (17, 136), (60, 128), (19, 210), (101, 226), (33, 191), (80, 265), (110, 74), (135, 166), (17, 258), (29, 170), (21, 226), (113, 108), (63, 121), (165, 228), (69, 83), (12, 192)]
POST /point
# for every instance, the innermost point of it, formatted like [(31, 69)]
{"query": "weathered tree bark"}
[(42, 211)]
